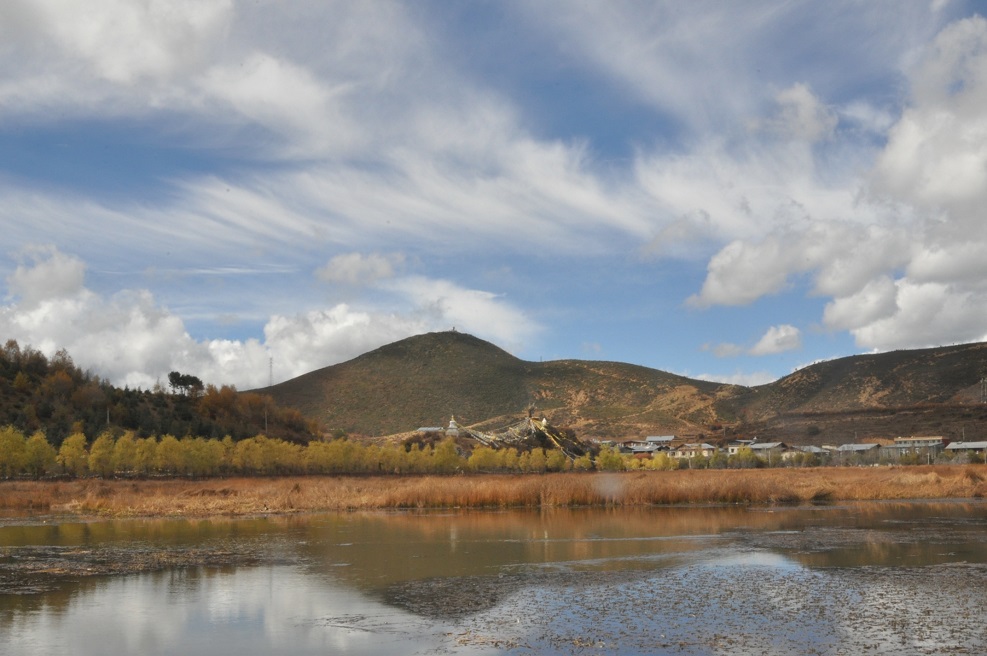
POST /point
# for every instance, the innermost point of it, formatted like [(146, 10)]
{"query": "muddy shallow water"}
[(875, 578)]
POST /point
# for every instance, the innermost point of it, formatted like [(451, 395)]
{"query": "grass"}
[(246, 496)]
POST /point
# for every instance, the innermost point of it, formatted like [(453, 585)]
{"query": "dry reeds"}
[(243, 496)]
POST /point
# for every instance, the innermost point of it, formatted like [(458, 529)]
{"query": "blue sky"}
[(723, 190)]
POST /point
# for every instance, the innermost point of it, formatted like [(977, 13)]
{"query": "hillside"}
[(54, 396), (426, 379)]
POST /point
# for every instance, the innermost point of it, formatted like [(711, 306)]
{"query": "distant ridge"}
[(426, 379)]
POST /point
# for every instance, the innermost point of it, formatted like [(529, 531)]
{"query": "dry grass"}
[(245, 496)]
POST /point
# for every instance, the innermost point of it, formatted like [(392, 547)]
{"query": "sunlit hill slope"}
[(426, 379)]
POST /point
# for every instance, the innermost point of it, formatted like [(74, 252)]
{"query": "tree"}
[(745, 458), (40, 455), (101, 455), (187, 384), (583, 463), (483, 459), (125, 453), (445, 457), (170, 455), (609, 459), (12, 452), (72, 456), (556, 460), (537, 462)]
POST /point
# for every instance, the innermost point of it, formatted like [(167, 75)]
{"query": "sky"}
[(248, 191)]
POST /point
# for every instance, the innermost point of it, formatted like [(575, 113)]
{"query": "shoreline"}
[(244, 496)]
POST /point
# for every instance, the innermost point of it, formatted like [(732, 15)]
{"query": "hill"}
[(426, 379)]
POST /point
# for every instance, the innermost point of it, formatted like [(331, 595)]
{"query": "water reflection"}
[(406, 582)]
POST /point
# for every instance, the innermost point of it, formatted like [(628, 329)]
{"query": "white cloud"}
[(901, 259), (49, 275), (480, 313), (359, 269), (747, 379), (801, 115), (927, 314), (876, 301), (724, 350), (132, 340), (778, 339)]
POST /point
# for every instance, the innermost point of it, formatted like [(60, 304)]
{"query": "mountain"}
[(427, 379)]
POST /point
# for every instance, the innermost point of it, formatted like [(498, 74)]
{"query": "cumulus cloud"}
[(48, 274), (900, 258), (131, 339), (474, 311), (778, 339), (927, 314), (877, 300)]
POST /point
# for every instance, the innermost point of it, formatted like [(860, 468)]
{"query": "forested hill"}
[(56, 397)]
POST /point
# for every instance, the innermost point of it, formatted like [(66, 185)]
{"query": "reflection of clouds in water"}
[(256, 611), (754, 559), (749, 603)]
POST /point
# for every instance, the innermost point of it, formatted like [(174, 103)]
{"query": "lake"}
[(876, 578)]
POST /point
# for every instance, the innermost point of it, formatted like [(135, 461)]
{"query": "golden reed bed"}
[(246, 496)]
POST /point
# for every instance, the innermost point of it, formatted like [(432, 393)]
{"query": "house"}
[(926, 446), (699, 450), (936, 442), (817, 451), (766, 448), (966, 447), (638, 447), (857, 448), (737, 445), (660, 440), (850, 453)]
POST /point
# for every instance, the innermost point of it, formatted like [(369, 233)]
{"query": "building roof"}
[(808, 448), (660, 438), (962, 446), (766, 446), (857, 447), (637, 447)]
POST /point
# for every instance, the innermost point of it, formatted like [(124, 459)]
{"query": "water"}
[(875, 578)]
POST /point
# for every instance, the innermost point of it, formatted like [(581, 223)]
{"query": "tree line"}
[(55, 396), (127, 455)]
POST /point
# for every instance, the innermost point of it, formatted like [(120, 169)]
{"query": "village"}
[(688, 452), (899, 450)]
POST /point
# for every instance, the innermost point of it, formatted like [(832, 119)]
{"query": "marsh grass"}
[(245, 496)]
